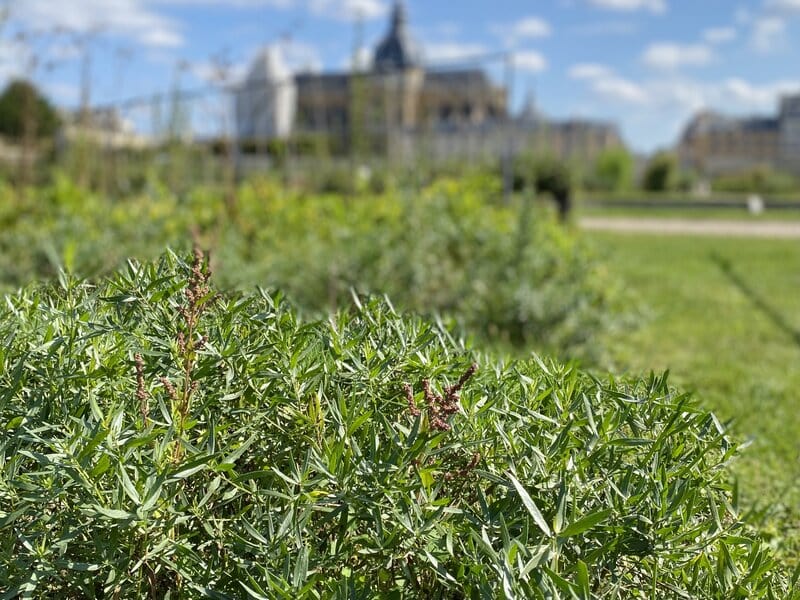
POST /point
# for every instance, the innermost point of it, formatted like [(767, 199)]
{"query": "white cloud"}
[(742, 16), (452, 51), (785, 6), (130, 18), (302, 57), (523, 30), (13, 57), (764, 97), (589, 71), (621, 90), (230, 3), (210, 72), (530, 61), (670, 56), (349, 10), (600, 28), (769, 34), (607, 85), (655, 6), (719, 35), (530, 28)]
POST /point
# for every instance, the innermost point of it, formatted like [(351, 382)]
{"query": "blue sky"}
[(646, 64)]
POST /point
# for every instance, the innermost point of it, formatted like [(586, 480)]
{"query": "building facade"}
[(715, 144), (399, 106)]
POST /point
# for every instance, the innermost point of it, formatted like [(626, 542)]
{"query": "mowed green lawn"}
[(723, 315)]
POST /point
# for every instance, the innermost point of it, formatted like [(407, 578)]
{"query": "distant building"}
[(102, 126), (571, 138), (715, 144), (266, 101), (398, 106), (396, 93), (790, 134)]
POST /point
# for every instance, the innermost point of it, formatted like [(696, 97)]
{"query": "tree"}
[(547, 174), (661, 174), (613, 170), (24, 111)]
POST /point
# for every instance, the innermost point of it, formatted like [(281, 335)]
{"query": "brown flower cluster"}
[(196, 290), (189, 343), (466, 470), (439, 407)]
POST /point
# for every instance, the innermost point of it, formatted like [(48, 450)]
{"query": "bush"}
[(503, 272), (546, 174), (161, 438), (761, 180), (613, 171), (661, 173)]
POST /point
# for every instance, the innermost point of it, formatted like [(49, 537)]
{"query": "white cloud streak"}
[(229, 3), (671, 56), (129, 18), (768, 34), (349, 10), (654, 6), (528, 28), (530, 61), (719, 35), (452, 51)]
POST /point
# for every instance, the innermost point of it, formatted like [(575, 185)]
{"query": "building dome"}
[(268, 66), (265, 102), (397, 51)]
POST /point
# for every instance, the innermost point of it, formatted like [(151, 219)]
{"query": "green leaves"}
[(585, 523), (530, 506), (303, 473)]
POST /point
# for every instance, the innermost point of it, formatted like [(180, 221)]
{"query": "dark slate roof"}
[(322, 81), (474, 78), (710, 122), (397, 50), (760, 124)]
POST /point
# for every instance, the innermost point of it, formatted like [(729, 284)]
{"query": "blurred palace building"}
[(399, 105), (715, 144)]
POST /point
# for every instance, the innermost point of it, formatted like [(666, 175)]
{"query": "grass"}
[(725, 319)]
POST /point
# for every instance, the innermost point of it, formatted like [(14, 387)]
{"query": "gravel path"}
[(668, 226)]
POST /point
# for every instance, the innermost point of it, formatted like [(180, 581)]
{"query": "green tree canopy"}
[(613, 170), (661, 174), (23, 108)]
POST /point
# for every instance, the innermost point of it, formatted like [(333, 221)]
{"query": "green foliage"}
[(544, 173), (761, 180), (158, 437), (613, 171), (661, 173), (506, 273), (22, 107)]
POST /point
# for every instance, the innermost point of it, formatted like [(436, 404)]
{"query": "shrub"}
[(761, 180), (546, 174), (504, 272), (661, 173), (158, 437), (612, 172)]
